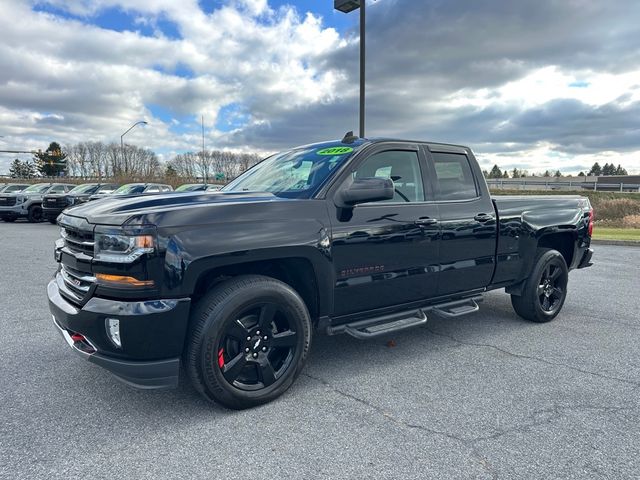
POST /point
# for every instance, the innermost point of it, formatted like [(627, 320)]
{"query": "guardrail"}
[(522, 184)]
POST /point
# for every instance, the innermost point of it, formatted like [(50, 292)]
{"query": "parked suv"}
[(28, 202), (53, 204), (133, 189), (13, 187)]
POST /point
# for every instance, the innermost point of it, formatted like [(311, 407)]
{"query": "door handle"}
[(426, 221), (483, 217)]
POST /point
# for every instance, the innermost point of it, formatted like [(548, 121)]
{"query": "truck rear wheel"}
[(545, 290), (249, 340)]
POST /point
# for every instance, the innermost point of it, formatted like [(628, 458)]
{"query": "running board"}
[(378, 326), (458, 307)]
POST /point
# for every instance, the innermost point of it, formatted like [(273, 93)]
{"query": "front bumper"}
[(14, 211), (152, 334), (51, 213)]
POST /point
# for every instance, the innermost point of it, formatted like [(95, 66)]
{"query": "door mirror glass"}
[(363, 190)]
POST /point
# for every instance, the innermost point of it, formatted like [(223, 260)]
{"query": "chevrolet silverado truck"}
[(28, 202), (55, 203), (361, 236)]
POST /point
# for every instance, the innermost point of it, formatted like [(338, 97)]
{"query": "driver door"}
[(386, 253)]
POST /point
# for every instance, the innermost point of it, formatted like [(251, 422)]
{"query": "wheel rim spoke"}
[(557, 293), (237, 330), (267, 313), (267, 374), (540, 290), (232, 369), (545, 303), (556, 273), (284, 339)]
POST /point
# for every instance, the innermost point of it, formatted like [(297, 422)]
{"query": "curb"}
[(625, 243)]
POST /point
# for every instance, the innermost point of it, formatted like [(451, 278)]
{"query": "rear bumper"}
[(585, 261), (152, 335)]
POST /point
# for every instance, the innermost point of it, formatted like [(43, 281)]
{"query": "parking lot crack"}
[(480, 459), (536, 359)]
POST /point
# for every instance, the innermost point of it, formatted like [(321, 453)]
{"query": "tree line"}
[(596, 170), (98, 160)]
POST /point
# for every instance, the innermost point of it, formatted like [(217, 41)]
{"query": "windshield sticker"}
[(335, 151)]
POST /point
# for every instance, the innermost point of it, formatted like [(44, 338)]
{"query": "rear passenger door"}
[(467, 220)]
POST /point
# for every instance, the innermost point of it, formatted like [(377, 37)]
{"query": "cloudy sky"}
[(535, 84)]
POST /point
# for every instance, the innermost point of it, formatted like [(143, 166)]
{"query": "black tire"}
[(545, 290), (35, 214), (228, 358)]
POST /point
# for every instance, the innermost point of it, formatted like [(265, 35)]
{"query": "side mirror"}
[(363, 190)]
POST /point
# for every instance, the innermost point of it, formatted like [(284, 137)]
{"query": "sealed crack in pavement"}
[(536, 359)]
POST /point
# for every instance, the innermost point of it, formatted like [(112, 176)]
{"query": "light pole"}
[(141, 122), (347, 6)]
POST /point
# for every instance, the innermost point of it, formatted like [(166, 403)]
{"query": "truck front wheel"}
[(249, 340), (545, 290), (35, 214)]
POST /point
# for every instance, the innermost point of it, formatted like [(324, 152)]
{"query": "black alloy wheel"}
[(545, 291), (35, 214), (552, 287), (248, 340), (257, 348)]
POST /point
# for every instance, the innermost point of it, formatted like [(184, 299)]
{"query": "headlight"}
[(70, 200), (115, 248)]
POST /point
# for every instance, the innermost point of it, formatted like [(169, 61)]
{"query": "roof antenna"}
[(349, 137)]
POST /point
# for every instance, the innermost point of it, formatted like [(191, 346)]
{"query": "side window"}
[(58, 189), (401, 166), (454, 177), (152, 189)]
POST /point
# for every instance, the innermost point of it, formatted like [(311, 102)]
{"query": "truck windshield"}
[(129, 189), (292, 174), (37, 188), (88, 188)]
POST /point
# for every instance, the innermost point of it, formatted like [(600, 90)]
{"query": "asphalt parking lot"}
[(484, 396)]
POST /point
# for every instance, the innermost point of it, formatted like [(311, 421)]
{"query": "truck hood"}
[(150, 209)]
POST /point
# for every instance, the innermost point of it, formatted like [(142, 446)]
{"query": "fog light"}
[(113, 331)]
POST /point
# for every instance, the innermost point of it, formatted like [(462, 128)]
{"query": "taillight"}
[(591, 217)]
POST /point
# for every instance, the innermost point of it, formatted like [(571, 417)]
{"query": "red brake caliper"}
[(221, 358)]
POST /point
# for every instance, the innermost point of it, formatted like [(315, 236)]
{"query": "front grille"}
[(78, 241), (54, 202), (77, 284), (7, 201)]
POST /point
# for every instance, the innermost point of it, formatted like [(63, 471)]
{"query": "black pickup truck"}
[(364, 237)]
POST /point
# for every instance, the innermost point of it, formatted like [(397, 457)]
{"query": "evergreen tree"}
[(620, 171), (595, 170), (608, 169), (52, 162), (515, 173), (546, 173), (581, 174), (20, 169), (495, 172), (558, 174)]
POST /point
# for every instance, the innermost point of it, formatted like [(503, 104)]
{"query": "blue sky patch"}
[(579, 84), (231, 117)]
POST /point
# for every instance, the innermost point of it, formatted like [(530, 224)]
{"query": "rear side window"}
[(58, 189), (453, 177)]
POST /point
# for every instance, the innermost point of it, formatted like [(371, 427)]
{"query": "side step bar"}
[(395, 322), (377, 326), (458, 307)]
